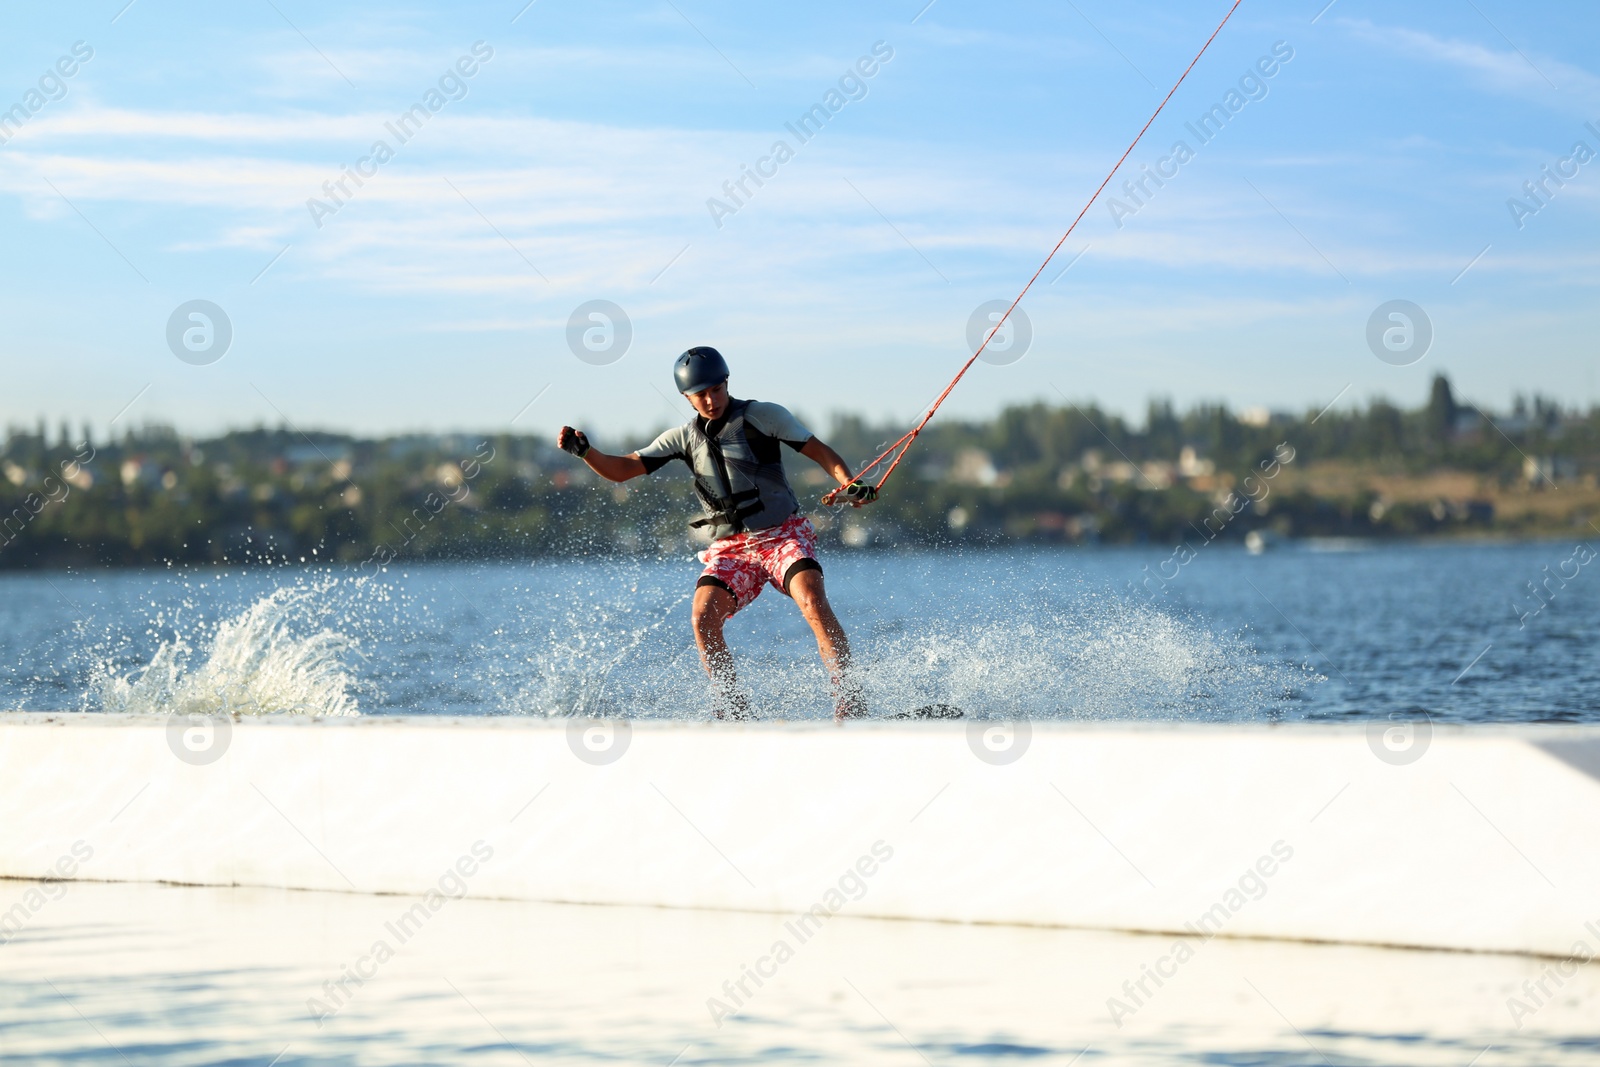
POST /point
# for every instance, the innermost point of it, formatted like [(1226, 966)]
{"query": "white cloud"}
[(605, 207), (1538, 78)]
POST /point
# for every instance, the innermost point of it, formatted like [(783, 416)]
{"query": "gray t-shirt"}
[(738, 469), (773, 420)]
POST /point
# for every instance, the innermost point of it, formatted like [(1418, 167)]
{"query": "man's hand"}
[(858, 493), (573, 441), (611, 468)]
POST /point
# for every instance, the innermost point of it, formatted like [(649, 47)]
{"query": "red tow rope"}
[(904, 444)]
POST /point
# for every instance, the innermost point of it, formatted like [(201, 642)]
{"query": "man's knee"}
[(803, 579), (712, 606), (705, 618), (811, 602), (806, 587)]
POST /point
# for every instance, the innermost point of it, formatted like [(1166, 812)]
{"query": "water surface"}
[(1316, 632), (185, 976)]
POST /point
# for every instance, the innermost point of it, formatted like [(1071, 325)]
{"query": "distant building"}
[(1548, 470), (1158, 474), (136, 470), (974, 466), (1190, 465), (1120, 471)]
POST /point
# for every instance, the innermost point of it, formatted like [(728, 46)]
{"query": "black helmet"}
[(699, 369)]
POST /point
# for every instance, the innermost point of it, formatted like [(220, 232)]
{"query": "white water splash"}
[(587, 672), (581, 640), (1083, 655), (1110, 659), (259, 662)]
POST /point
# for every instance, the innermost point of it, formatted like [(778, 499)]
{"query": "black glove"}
[(573, 441), (859, 492)]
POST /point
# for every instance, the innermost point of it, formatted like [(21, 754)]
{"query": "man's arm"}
[(855, 493), (829, 460), (611, 468), (615, 468)]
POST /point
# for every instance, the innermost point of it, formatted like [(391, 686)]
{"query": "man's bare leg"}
[(712, 607), (811, 597)]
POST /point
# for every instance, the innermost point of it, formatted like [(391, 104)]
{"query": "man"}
[(759, 534)]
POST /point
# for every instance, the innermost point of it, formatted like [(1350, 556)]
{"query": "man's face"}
[(712, 402)]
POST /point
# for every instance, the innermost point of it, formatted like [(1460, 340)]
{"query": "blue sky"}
[(577, 162)]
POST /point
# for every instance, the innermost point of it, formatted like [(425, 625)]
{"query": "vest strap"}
[(731, 510)]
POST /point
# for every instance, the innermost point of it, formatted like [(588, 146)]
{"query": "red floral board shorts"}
[(745, 562)]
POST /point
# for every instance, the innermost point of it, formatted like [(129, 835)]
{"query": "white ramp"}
[(1478, 838)]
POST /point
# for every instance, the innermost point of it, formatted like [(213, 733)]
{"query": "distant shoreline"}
[(1034, 474), (1321, 545)]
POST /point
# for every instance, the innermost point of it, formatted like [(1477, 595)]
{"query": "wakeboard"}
[(931, 711)]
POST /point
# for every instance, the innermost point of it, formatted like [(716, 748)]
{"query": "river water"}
[(1303, 632), (190, 976)]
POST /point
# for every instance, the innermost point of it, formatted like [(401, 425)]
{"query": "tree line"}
[(1033, 473)]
